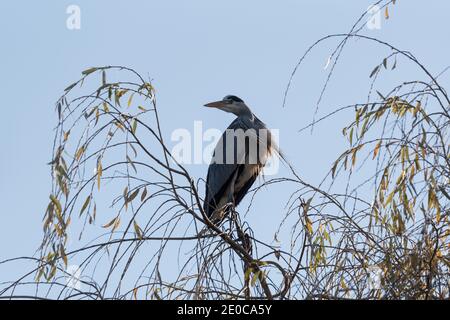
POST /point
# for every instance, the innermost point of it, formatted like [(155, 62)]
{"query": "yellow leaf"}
[(343, 284), (309, 225), (85, 205), (390, 197), (66, 136), (247, 274), (130, 99), (109, 224), (376, 150), (254, 278), (116, 224), (105, 107), (79, 153), (56, 203), (354, 157), (99, 172), (63, 255), (137, 229)]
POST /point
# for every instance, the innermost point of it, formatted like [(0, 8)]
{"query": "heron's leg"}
[(231, 190)]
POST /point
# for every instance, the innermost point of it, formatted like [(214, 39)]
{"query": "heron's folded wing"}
[(220, 172)]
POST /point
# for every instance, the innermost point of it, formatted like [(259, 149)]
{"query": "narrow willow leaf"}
[(116, 224), (247, 274), (395, 64), (374, 71), (134, 126), (355, 150), (89, 71), (376, 150), (134, 150), (109, 224), (57, 204), (63, 255), (309, 225), (66, 136), (79, 153), (133, 195), (364, 126), (132, 164), (71, 86), (333, 169), (390, 197), (99, 173), (85, 205), (255, 278), (144, 194), (119, 125), (137, 229), (130, 100)]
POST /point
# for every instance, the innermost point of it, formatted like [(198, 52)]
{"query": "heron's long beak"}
[(216, 104)]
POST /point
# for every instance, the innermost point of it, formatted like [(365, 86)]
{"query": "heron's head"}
[(231, 104)]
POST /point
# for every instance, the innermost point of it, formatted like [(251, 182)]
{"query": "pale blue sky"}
[(195, 51)]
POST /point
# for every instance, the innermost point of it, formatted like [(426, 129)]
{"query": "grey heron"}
[(238, 158)]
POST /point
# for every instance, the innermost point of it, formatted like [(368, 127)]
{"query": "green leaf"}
[(254, 278), (130, 99), (137, 229), (374, 71), (57, 204), (71, 86), (89, 71), (132, 164), (144, 194), (134, 126)]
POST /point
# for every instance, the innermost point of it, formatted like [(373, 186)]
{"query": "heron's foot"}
[(246, 242)]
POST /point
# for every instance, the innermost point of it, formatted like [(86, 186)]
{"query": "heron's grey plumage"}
[(229, 182)]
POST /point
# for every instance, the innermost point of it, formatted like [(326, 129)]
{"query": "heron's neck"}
[(244, 111)]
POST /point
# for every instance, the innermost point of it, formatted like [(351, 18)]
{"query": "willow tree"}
[(116, 184)]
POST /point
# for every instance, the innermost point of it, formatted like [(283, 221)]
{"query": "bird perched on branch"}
[(238, 158)]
